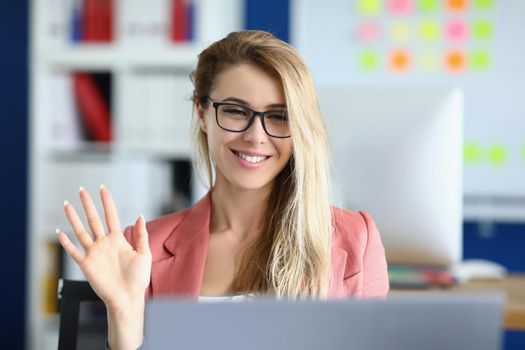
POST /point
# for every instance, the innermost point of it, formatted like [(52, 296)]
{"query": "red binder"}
[(92, 107)]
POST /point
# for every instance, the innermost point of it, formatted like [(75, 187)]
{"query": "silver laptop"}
[(429, 321)]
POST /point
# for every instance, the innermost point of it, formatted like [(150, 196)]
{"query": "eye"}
[(277, 117), (234, 111)]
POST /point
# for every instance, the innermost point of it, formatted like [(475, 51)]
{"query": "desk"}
[(514, 288)]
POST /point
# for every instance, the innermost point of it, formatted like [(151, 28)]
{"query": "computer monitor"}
[(398, 155)]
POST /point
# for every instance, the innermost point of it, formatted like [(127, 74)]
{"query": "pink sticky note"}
[(400, 7), (368, 31), (456, 30)]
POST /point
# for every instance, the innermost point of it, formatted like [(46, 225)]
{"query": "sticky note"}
[(428, 5), (497, 155), (428, 61), (455, 61), (456, 5), (368, 7), (429, 30), (456, 30), (368, 31), (400, 7), (368, 60), (484, 4), (480, 60), (400, 31), (471, 152), (482, 29), (523, 152), (399, 60)]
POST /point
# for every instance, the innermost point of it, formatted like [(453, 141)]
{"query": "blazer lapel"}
[(181, 273)]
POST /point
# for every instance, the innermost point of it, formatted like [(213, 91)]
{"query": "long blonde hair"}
[(291, 258)]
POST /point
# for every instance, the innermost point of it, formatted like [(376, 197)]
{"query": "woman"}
[(266, 226)]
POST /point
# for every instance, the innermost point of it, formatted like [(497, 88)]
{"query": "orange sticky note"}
[(399, 60), (455, 61), (457, 5)]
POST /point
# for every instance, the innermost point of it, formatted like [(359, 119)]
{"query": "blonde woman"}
[(266, 225)]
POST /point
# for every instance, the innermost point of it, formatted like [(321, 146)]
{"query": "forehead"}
[(249, 83)]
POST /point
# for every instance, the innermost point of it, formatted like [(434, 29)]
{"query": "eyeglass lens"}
[(236, 118)]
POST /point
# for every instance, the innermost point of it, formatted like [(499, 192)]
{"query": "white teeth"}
[(251, 159)]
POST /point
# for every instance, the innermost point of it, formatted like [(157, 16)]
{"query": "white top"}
[(227, 298)]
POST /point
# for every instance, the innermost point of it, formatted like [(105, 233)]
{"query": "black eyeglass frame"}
[(254, 114)]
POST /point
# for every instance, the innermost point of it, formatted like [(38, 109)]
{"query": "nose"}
[(255, 133)]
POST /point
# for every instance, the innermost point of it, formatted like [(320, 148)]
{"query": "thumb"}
[(141, 235)]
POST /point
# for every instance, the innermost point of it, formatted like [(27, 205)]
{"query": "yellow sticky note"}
[(428, 61), (429, 30), (368, 7), (400, 31)]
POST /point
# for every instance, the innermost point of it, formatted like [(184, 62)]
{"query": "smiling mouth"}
[(250, 159)]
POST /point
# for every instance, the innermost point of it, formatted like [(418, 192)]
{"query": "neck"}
[(238, 211)]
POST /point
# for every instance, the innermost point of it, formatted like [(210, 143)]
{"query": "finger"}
[(141, 236), (91, 213), (110, 210), (69, 247), (83, 236)]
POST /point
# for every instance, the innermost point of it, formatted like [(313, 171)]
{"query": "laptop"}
[(402, 322)]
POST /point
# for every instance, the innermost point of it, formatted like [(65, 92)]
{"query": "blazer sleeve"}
[(375, 271)]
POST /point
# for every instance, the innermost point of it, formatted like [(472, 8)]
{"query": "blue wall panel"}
[(13, 180)]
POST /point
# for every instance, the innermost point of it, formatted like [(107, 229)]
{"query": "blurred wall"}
[(13, 140)]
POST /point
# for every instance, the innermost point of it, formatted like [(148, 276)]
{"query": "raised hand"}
[(117, 272)]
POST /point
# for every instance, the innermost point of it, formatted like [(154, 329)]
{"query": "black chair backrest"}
[(83, 319)]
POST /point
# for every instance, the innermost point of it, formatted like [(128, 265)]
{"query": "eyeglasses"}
[(236, 118)]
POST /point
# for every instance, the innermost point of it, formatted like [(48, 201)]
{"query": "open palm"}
[(116, 271)]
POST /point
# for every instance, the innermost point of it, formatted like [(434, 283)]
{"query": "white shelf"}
[(109, 57)]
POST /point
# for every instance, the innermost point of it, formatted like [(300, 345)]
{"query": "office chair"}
[(83, 318)]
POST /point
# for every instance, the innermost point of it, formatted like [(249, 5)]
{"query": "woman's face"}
[(251, 159)]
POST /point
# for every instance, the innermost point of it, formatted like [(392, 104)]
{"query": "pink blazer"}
[(179, 244)]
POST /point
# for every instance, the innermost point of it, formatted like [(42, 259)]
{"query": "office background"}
[(502, 242)]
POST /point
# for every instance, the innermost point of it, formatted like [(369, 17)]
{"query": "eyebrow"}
[(241, 101)]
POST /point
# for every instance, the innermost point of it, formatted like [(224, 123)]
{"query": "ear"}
[(201, 115)]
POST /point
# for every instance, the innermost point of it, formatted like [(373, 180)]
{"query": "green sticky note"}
[(428, 5), (523, 152), (429, 30), (484, 4), (482, 29), (368, 7), (471, 152), (497, 155), (480, 60), (368, 60)]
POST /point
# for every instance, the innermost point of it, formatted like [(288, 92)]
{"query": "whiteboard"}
[(330, 37)]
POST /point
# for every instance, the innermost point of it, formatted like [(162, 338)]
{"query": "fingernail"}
[(102, 186), (57, 231), (66, 203), (81, 188), (142, 216)]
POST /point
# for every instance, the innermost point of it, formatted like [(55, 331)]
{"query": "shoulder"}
[(352, 229)]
